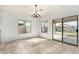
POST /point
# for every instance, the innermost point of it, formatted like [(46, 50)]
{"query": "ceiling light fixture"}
[(36, 14)]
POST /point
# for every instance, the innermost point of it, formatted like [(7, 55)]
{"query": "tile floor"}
[(37, 46)]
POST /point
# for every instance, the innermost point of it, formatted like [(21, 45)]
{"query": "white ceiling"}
[(52, 11), (23, 9)]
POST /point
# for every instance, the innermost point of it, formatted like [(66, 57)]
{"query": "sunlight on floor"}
[(36, 40)]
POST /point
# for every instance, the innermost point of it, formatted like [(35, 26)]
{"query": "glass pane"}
[(20, 22), (42, 24), (28, 24), (57, 29), (46, 24), (24, 27), (44, 27), (21, 27), (69, 30), (28, 27)]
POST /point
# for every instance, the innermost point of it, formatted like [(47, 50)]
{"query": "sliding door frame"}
[(53, 33), (63, 32)]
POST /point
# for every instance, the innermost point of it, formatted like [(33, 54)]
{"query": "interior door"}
[(70, 30)]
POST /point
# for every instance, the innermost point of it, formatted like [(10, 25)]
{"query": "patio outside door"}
[(66, 30), (57, 29), (70, 30)]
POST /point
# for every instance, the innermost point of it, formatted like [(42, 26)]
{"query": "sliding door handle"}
[(76, 30)]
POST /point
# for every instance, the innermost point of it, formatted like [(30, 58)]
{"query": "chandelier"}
[(36, 14)]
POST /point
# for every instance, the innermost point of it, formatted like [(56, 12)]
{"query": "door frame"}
[(63, 32), (52, 30)]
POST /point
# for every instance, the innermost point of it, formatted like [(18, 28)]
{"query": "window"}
[(44, 27), (24, 27)]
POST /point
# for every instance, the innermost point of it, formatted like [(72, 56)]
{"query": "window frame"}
[(44, 26), (25, 21)]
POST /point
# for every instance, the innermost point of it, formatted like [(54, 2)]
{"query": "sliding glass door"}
[(57, 29), (70, 30), (66, 30)]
